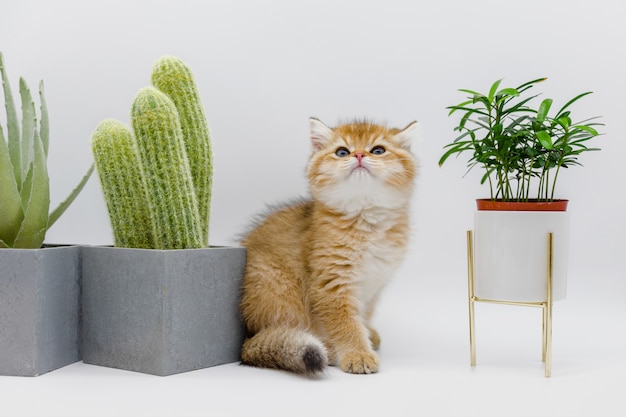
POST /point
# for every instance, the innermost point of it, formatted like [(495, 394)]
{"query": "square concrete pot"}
[(39, 309), (162, 312)]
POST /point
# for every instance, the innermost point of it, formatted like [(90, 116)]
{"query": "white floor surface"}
[(424, 370)]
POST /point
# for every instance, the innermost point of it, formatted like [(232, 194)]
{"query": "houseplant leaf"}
[(588, 129), (544, 139), (508, 92), (494, 88), (471, 92), (569, 103), (461, 106), (529, 84), (543, 110)]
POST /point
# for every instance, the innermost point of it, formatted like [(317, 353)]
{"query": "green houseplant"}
[(39, 286), (520, 148), (518, 250), (521, 145), (162, 301)]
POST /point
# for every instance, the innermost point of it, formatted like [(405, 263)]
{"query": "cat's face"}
[(360, 165)]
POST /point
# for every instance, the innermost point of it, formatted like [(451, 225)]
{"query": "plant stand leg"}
[(544, 334), (470, 293), (547, 356)]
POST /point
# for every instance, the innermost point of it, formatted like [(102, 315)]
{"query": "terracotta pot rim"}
[(530, 205)]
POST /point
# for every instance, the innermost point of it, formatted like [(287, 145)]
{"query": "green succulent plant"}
[(24, 181), (520, 148)]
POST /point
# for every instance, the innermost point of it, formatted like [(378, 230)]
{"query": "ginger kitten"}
[(315, 268)]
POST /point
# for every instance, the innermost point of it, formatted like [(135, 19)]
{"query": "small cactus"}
[(174, 78), (161, 201), (123, 185), (159, 137)]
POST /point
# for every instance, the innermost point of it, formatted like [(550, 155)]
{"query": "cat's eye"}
[(342, 152), (377, 150)]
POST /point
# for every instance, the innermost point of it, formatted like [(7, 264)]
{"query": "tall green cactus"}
[(174, 78), (123, 183), (164, 161)]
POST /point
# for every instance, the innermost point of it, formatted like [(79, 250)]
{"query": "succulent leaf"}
[(64, 205), (44, 123), (13, 131), (11, 202), (29, 120), (36, 196)]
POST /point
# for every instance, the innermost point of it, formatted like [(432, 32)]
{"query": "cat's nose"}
[(359, 156)]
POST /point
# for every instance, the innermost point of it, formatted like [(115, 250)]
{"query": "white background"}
[(264, 67)]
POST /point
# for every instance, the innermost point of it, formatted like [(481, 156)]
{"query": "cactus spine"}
[(123, 184), (174, 78), (154, 202)]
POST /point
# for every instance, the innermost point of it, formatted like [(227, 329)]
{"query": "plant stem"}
[(556, 175)]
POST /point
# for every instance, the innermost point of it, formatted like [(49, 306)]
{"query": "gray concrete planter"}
[(39, 309), (162, 312)]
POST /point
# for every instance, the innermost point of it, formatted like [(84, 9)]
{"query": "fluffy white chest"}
[(379, 261)]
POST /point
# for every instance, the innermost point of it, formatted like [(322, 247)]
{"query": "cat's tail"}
[(285, 348)]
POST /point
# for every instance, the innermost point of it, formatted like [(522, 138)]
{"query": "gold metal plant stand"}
[(546, 306)]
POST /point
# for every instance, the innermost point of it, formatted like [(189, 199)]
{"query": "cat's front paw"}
[(359, 363)]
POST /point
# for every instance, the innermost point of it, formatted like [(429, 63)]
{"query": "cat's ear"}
[(321, 134), (407, 136)]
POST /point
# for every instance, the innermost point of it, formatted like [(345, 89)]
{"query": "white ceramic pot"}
[(511, 255)]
